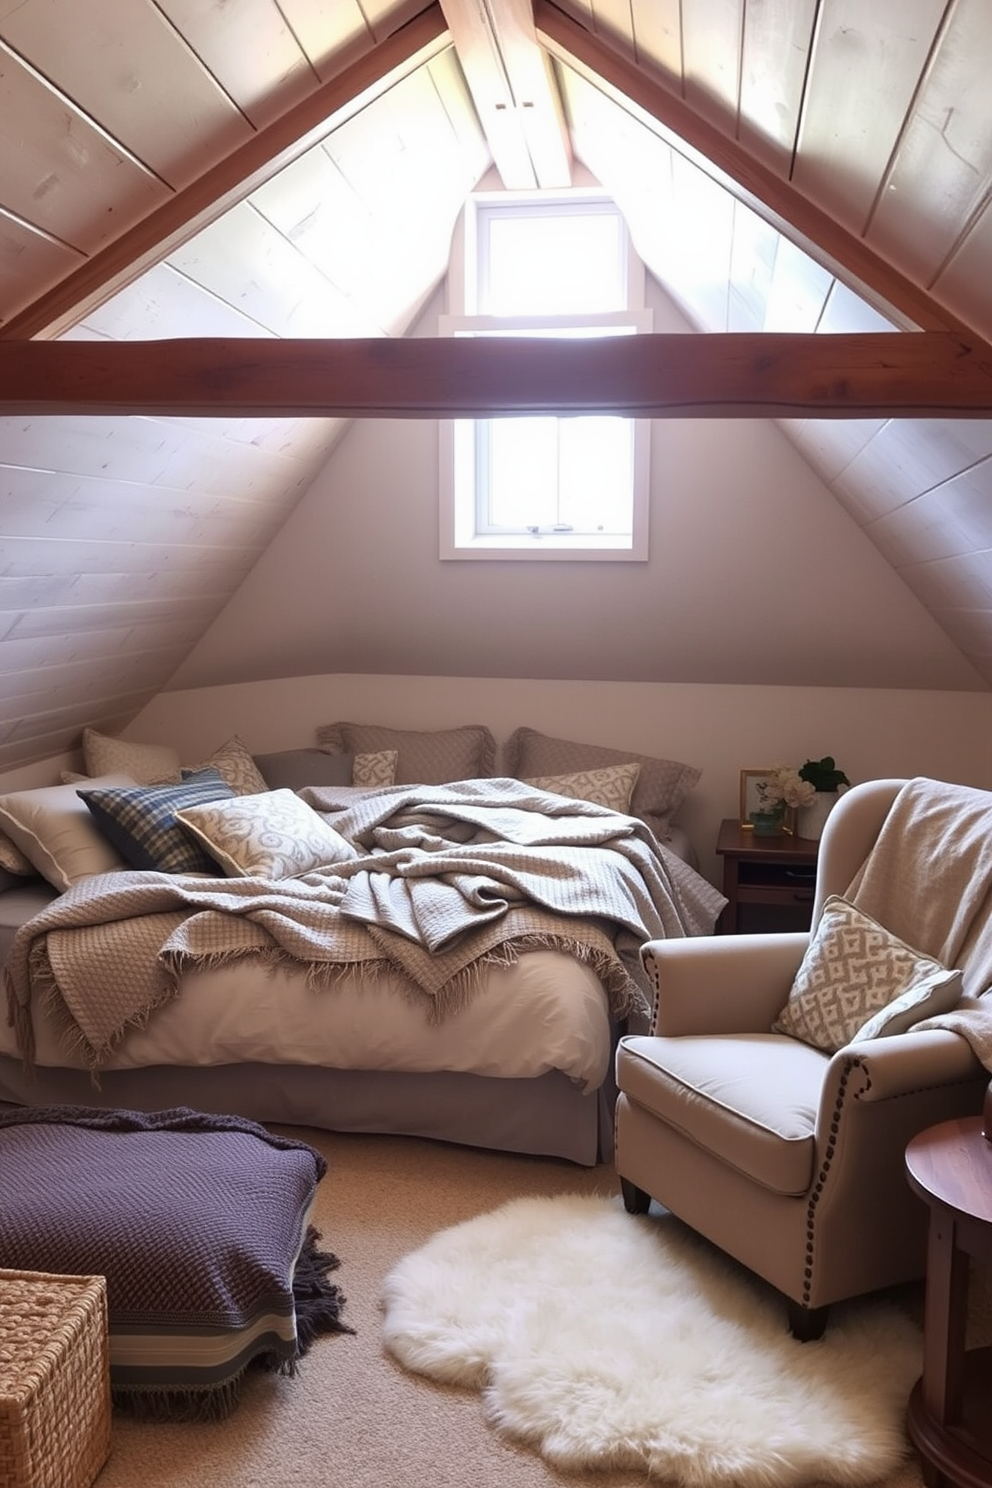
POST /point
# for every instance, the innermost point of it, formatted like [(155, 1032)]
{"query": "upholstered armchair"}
[(787, 1156)]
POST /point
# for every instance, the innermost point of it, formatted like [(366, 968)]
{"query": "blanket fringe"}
[(623, 994), (318, 1312)]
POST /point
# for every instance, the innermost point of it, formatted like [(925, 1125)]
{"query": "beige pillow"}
[(662, 784), (12, 860), (424, 758), (143, 764), (378, 768), (858, 981), (237, 768), (273, 835), (55, 831), (611, 787)]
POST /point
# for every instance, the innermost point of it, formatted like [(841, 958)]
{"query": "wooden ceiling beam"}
[(232, 179), (746, 375), (512, 87), (772, 197)]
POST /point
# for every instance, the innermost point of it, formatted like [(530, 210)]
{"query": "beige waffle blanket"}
[(446, 879)]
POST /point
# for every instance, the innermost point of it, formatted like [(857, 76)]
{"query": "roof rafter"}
[(509, 77), (744, 375), (228, 182), (769, 195)]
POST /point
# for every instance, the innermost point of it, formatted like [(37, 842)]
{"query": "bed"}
[(451, 959)]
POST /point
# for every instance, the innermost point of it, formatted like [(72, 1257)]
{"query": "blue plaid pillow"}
[(140, 821)]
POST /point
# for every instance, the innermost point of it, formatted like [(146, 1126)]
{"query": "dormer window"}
[(545, 264)]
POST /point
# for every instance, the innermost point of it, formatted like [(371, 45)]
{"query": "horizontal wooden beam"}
[(752, 375)]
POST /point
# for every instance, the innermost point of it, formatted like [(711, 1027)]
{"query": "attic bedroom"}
[(462, 463)]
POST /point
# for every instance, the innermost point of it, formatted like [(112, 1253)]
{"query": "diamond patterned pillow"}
[(272, 835), (858, 981), (146, 764), (612, 787), (237, 767), (425, 757)]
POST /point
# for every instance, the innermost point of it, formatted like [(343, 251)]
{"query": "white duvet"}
[(547, 1012)]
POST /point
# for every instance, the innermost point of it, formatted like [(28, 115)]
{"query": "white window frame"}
[(459, 537)]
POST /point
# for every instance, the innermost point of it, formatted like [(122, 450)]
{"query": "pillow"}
[(661, 787), (57, 835), (145, 764), (273, 835), (372, 769), (611, 787), (436, 758), (12, 860), (858, 981), (295, 769), (141, 823), (236, 766)]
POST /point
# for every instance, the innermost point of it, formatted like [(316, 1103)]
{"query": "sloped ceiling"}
[(285, 169)]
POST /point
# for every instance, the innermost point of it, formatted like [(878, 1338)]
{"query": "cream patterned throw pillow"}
[(858, 981), (273, 835), (612, 786), (237, 768), (375, 767), (145, 764)]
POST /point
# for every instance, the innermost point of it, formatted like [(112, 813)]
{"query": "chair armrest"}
[(721, 983), (903, 1064)]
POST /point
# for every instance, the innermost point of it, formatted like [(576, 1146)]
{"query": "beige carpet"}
[(352, 1417)]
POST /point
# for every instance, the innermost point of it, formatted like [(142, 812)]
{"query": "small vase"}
[(767, 823), (811, 819)]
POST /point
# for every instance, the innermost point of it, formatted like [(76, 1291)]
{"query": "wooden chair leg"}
[(806, 1323), (635, 1200)]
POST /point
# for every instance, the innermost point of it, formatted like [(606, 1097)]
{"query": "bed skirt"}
[(547, 1116)]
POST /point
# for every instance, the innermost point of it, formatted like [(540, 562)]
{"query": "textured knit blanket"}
[(928, 879), (200, 1225), (447, 880)]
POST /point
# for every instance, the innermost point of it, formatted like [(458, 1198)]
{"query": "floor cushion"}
[(200, 1224)]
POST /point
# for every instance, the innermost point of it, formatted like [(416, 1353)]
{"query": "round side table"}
[(950, 1167)]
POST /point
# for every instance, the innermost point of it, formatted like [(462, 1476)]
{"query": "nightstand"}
[(768, 881)]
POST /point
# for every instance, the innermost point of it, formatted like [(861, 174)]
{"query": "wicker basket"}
[(54, 1380)]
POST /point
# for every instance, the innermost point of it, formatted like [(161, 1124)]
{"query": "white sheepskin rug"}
[(609, 1340)]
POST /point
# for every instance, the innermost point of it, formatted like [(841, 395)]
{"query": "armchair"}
[(789, 1158)]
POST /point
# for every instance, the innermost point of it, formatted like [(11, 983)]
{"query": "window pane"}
[(597, 474), (523, 473), (553, 265)]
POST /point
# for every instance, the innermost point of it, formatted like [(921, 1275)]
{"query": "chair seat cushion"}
[(749, 1099)]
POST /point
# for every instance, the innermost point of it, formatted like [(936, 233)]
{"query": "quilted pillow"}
[(273, 835), (662, 784), (611, 787), (295, 769), (858, 981), (145, 764), (424, 758), (55, 833), (236, 766), (140, 821)]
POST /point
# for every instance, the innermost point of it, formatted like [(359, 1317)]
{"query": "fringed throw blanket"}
[(928, 879), (445, 880), (200, 1225)]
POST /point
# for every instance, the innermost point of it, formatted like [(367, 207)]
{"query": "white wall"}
[(756, 575), (721, 729)]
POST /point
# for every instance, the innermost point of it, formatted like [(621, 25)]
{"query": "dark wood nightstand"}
[(768, 881)]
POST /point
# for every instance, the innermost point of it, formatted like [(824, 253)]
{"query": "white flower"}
[(782, 786)]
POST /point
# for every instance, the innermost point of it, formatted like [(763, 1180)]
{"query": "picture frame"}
[(750, 801)]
